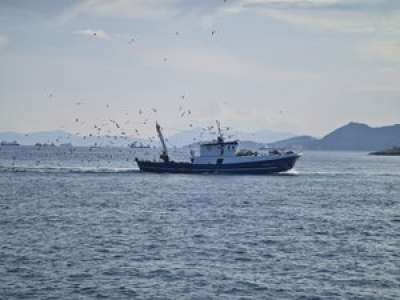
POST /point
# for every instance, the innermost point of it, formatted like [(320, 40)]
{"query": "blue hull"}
[(259, 167)]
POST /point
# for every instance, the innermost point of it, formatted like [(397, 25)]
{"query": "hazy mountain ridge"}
[(61, 137), (180, 139), (192, 136), (358, 136), (303, 141), (353, 136)]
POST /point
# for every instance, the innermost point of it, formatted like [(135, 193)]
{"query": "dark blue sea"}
[(83, 223)]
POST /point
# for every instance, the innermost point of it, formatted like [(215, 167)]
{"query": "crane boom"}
[(164, 154)]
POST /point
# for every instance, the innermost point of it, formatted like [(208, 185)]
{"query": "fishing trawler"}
[(221, 157)]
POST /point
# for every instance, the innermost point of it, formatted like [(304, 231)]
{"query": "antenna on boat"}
[(164, 154), (220, 137)]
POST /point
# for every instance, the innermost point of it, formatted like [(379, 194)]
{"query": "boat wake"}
[(78, 170), (345, 173), (104, 170)]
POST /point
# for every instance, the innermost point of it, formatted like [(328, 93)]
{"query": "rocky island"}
[(395, 151)]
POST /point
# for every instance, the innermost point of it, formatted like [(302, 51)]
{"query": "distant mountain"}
[(357, 136), (62, 137), (353, 136), (189, 137), (250, 145), (303, 142), (263, 136)]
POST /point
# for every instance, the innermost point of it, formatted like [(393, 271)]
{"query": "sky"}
[(300, 66)]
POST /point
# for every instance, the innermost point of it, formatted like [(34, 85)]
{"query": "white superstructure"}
[(221, 152)]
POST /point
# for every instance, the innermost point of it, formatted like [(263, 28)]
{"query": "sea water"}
[(84, 223)]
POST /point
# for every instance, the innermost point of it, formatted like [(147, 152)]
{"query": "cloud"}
[(322, 4), (344, 22), (387, 50), (353, 16), (148, 9), (345, 16), (376, 22), (287, 3), (217, 62), (124, 8), (196, 60), (3, 41), (99, 34)]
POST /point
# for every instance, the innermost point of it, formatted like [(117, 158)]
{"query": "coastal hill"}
[(353, 136), (178, 139), (395, 151), (303, 141)]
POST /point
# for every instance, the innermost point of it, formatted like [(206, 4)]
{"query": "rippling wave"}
[(330, 229), (67, 170)]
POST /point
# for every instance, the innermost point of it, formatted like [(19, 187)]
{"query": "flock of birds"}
[(113, 131), (130, 129), (116, 132)]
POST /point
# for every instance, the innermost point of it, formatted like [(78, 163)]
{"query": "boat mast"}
[(220, 136), (164, 154)]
